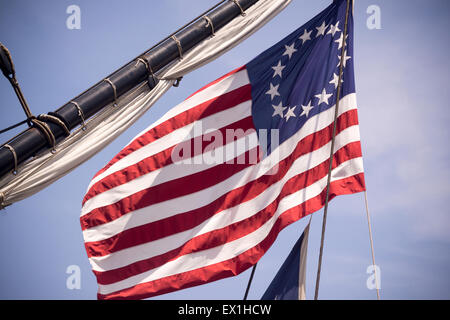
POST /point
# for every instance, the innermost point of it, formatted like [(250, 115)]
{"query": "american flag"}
[(203, 193)]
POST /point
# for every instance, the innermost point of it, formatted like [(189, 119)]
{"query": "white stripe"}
[(201, 198), (169, 172), (227, 217), (232, 249), (217, 120), (230, 83)]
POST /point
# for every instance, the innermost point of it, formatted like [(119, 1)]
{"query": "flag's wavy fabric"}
[(202, 193), (103, 128), (290, 281)]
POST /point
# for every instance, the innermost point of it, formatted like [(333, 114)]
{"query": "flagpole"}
[(250, 281), (325, 212)]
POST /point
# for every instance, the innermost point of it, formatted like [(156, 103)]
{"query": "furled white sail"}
[(101, 129)]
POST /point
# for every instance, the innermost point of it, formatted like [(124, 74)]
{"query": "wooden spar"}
[(31, 141)]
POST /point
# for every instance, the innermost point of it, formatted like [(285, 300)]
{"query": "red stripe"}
[(200, 111), (243, 261), (166, 191), (163, 159), (137, 201), (188, 220), (229, 233)]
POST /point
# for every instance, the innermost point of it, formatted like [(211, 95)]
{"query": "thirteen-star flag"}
[(203, 193)]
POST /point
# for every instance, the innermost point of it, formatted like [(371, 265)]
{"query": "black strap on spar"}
[(46, 131)]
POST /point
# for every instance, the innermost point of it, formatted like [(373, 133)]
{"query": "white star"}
[(335, 80), (341, 40), (306, 109), (273, 91), (346, 57), (306, 36), (334, 29), (323, 97), (278, 68), (289, 50), (278, 110), (321, 29), (290, 113)]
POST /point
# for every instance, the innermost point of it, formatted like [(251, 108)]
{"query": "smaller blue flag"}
[(289, 283)]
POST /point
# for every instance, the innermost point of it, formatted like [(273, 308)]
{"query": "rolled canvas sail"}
[(107, 125)]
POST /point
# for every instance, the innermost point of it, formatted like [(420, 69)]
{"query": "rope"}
[(80, 113), (31, 119), (371, 244), (149, 71), (180, 50), (21, 98), (14, 126), (45, 129), (113, 86), (209, 23), (161, 41), (15, 159), (55, 120), (146, 64), (239, 6), (325, 212)]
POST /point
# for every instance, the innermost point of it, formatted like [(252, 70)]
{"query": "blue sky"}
[(402, 75)]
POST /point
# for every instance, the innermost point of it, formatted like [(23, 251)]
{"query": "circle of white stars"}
[(289, 112)]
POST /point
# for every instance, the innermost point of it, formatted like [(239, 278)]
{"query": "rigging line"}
[(325, 211), (20, 96), (371, 245), (254, 267), (157, 44), (250, 281), (14, 126)]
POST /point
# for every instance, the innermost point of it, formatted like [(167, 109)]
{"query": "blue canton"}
[(298, 77)]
